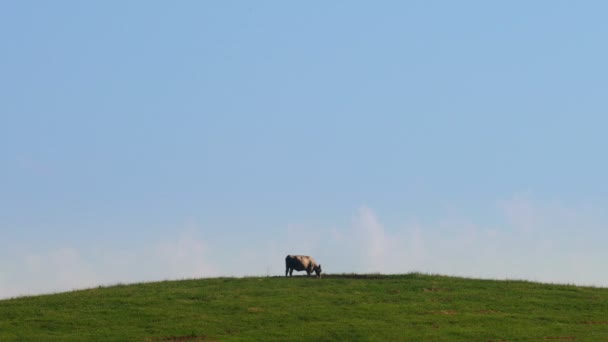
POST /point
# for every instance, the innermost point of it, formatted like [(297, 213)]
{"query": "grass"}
[(409, 307)]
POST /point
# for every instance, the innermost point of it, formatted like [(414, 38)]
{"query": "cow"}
[(301, 263)]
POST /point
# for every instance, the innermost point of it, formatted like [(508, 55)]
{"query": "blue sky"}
[(143, 140)]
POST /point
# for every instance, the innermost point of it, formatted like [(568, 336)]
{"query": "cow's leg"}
[(286, 270)]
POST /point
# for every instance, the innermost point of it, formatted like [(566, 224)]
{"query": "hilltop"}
[(337, 307)]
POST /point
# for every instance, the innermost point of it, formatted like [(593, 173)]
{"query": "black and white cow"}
[(301, 263)]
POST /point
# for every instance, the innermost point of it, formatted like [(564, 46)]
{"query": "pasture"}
[(410, 307)]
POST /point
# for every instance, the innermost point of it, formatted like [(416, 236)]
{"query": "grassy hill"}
[(409, 307)]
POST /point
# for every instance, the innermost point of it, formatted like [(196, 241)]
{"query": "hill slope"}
[(337, 307)]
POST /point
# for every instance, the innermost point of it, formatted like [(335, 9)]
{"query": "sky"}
[(147, 140)]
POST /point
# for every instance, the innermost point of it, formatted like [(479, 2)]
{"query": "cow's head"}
[(317, 270)]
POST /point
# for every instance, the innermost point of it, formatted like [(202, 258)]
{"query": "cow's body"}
[(301, 263)]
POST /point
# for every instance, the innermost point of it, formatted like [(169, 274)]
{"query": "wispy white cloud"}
[(372, 232), (367, 246), (57, 270), (528, 239), (187, 257)]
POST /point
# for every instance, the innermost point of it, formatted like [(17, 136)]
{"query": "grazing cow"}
[(301, 263)]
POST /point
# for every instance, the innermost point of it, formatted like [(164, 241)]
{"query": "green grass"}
[(411, 307)]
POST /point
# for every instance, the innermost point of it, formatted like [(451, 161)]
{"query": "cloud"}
[(527, 239), (184, 256), (367, 246), (58, 270), (187, 257), (517, 238), (372, 232)]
